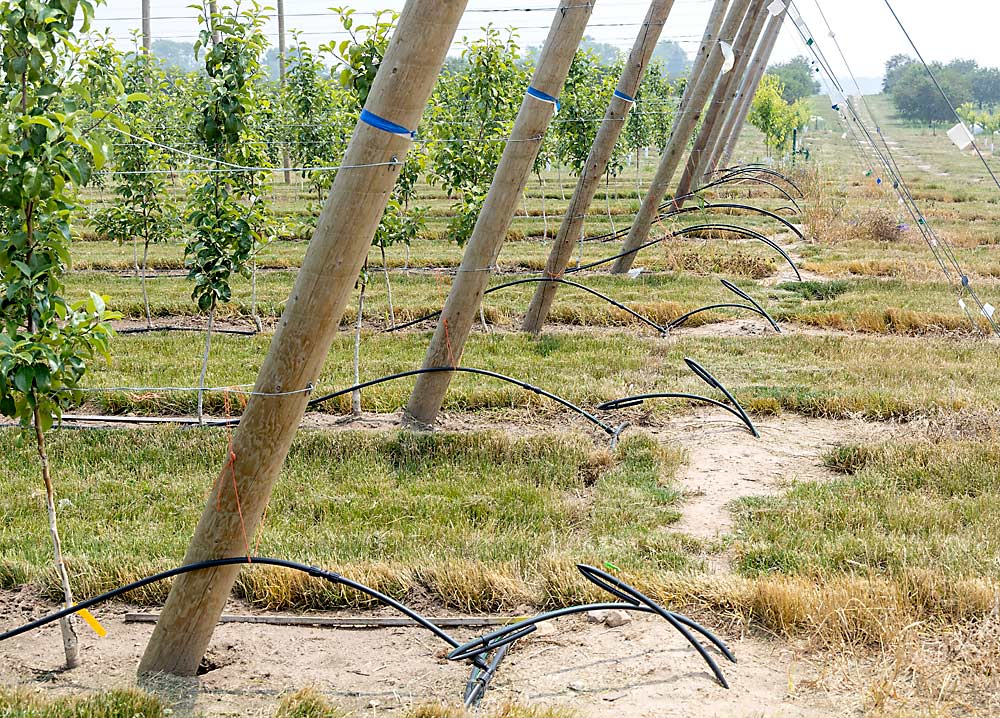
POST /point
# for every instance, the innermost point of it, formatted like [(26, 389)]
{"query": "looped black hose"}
[(604, 579), (750, 233), (743, 295), (739, 179), (735, 408), (606, 428), (557, 280), (577, 285), (632, 596), (736, 205), (760, 169), (736, 229), (150, 330), (753, 307), (313, 571), (633, 599)]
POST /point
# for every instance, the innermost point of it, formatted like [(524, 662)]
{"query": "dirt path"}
[(725, 462), (641, 669)]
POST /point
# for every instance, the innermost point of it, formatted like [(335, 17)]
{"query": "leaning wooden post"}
[(692, 106), (731, 134), (286, 160), (302, 341), (727, 90), (597, 163), (147, 31), (537, 109)]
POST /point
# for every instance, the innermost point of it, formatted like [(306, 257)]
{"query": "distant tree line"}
[(797, 80), (917, 99)]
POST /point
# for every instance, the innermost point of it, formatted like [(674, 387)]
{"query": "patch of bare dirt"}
[(641, 669), (725, 462)]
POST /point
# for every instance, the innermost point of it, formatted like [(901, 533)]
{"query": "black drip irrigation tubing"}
[(529, 280), (739, 179), (735, 205), (482, 671), (632, 600), (736, 229), (150, 330), (476, 652), (701, 207), (611, 431), (754, 307), (236, 561), (760, 169), (735, 408)]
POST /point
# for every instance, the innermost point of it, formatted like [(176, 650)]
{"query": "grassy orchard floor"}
[(896, 544)]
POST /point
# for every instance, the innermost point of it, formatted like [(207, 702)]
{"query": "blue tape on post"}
[(622, 96), (370, 118), (544, 97)]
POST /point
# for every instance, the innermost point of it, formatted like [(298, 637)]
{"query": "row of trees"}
[(775, 116), (314, 113), (917, 99)]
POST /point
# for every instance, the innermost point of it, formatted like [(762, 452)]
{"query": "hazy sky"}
[(864, 28)]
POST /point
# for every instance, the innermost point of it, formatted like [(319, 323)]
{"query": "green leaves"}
[(52, 102), (226, 211), (773, 116)]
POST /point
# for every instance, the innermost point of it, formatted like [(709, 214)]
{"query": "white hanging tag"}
[(634, 273), (960, 135), (988, 310), (776, 8), (961, 303), (727, 52)]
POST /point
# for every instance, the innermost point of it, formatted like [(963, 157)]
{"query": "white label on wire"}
[(961, 303), (988, 310), (727, 52), (960, 135), (776, 8), (634, 273)]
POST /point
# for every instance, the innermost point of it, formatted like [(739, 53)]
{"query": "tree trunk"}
[(388, 289), (356, 395), (304, 334), (508, 184), (145, 293), (213, 10), (71, 643), (204, 366), (572, 226), (545, 217), (253, 299), (706, 69)]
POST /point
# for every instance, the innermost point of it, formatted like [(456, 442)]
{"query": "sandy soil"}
[(641, 669), (725, 462)]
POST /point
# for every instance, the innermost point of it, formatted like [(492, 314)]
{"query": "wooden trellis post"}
[(462, 305), (737, 118), (727, 90), (711, 57), (286, 160), (597, 163), (147, 32), (308, 325)]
